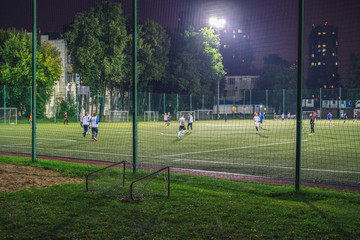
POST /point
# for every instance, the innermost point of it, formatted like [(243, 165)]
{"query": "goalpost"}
[(119, 116), (186, 113), (204, 114), (151, 116), (8, 115), (356, 114)]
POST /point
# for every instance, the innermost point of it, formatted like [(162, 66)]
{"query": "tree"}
[(97, 44), (16, 70), (196, 64)]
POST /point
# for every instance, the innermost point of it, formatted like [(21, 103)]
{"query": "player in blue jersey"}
[(86, 122), (329, 117), (261, 119), (94, 125), (345, 117), (190, 122)]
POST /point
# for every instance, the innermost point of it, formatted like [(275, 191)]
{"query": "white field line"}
[(225, 149), (267, 166), (51, 139)]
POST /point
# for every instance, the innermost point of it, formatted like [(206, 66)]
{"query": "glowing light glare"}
[(217, 22)]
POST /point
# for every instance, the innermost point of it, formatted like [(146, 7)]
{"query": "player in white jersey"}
[(86, 121), (165, 119), (256, 122), (190, 122), (94, 127), (182, 129)]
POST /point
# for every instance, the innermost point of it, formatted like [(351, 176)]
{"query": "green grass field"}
[(198, 208), (331, 155)]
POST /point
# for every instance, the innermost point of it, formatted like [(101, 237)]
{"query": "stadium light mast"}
[(217, 24)]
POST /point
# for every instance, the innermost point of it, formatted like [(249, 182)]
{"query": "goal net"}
[(119, 116), (306, 114), (205, 114), (186, 114), (8, 115), (151, 116)]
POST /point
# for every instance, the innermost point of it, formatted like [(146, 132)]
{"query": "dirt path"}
[(14, 178)]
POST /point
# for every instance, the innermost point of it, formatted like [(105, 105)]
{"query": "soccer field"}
[(331, 155)]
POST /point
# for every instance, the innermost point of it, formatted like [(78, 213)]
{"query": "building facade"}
[(235, 86), (323, 57)]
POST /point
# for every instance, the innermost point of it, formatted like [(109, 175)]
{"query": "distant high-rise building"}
[(323, 57)]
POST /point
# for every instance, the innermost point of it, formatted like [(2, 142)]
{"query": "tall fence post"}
[(149, 103), (233, 107), (284, 101), (320, 101), (213, 107), (98, 102), (299, 95), (164, 103), (244, 108), (135, 152), (202, 105), (190, 102), (266, 102), (30, 99), (77, 104), (4, 104), (177, 104), (54, 106), (33, 142), (116, 100), (251, 108), (339, 103)]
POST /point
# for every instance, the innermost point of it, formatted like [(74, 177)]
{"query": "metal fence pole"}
[(251, 108), (33, 142), (202, 105), (284, 101), (299, 95), (97, 104), (149, 103), (190, 102), (320, 101), (233, 112), (116, 100), (30, 99), (54, 106), (4, 104), (164, 104), (77, 104), (339, 103), (135, 152), (244, 108), (177, 103), (214, 106)]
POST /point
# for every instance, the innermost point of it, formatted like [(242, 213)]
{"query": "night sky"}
[(273, 22)]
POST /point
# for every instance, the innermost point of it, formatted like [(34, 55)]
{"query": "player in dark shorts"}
[(168, 119), (312, 123), (66, 119)]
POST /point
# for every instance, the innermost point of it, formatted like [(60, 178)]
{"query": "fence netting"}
[(227, 70)]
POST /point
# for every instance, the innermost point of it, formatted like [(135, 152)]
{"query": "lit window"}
[(239, 31), (312, 55), (324, 33), (319, 46), (312, 64), (333, 54), (234, 36), (233, 31), (313, 96), (319, 63), (333, 33), (324, 50), (244, 36), (243, 60), (333, 75), (336, 63), (319, 50), (323, 63), (225, 31), (337, 43), (324, 54), (319, 33), (324, 45), (324, 86), (225, 46), (332, 86)]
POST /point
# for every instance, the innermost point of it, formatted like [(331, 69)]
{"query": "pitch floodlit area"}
[(331, 155)]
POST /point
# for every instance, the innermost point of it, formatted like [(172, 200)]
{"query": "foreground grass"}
[(199, 208)]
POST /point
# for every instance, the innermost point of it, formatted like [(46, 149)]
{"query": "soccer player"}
[(94, 129), (190, 122), (168, 119), (355, 117), (329, 116), (312, 123), (288, 116), (165, 119), (30, 119), (282, 117), (66, 119), (226, 117), (345, 117), (261, 119), (86, 121), (182, 129), (256, 122)]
